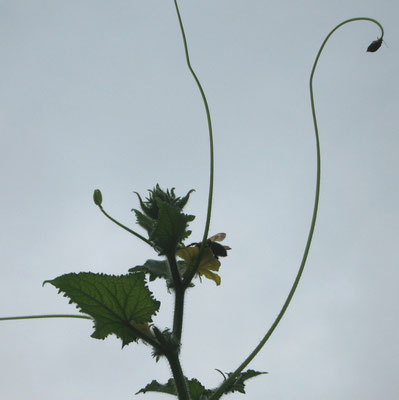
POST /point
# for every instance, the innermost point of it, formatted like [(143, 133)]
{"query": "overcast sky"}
[(96, 94)]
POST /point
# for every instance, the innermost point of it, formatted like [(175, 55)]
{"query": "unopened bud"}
[(97, 197), (374, 46)]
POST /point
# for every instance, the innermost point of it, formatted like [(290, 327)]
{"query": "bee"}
[(218, 249)]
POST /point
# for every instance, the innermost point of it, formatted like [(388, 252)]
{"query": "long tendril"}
[(45, 316), (211, 151), (219, 392)]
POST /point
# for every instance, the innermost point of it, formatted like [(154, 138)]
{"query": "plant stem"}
[(46, 316), (179, 297), (125, 227), (177, 372), (233, 376), (211, 151), (178, 314)]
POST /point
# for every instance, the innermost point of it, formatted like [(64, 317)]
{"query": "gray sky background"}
[(96, 94)]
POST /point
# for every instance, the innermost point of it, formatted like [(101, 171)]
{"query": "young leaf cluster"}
[(162, 217)]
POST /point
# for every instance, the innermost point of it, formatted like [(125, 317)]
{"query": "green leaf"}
[(145, 222), (159, 269), (116, 303), (195, 388), (150, 205), (182, 201), (154, 386), (148, 211), (163, 219), (170, 228), (238, 384), (154, 268)]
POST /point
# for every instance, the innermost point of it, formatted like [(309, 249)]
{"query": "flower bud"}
[(97, 197), (374, 46)]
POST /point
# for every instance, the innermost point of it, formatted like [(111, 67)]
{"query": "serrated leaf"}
[(238, 384), (159, 269), (154, 386), (181, 202), (147, 210), (194, 387), (116, 303), (170, 229), (144, 221), (150, 205), (154, 268), (197, 390)]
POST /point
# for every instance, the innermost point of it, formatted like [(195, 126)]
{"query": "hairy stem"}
[(233, 376), (180, 380), (179, 297), (178, 314)]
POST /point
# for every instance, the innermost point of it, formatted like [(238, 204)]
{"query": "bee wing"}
[(218, 237)]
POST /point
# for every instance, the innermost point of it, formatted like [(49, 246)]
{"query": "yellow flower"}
[(208, 262)]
